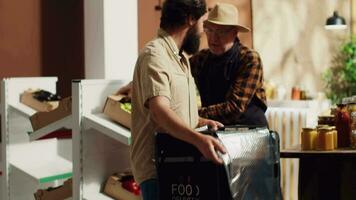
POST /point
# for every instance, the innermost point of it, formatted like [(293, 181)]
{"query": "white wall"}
[(111, 38), (294, 46)]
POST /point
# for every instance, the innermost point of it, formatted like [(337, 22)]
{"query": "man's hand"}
[(168, 120), (213, 125), (126, 90), (209, 146)]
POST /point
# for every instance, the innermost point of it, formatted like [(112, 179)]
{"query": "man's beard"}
[(191, 41)]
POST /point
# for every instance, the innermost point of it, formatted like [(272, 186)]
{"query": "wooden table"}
[(325, 174)]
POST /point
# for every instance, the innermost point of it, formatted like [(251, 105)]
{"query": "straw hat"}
[(226, 14)]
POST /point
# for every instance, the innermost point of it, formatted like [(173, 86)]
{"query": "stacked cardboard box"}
[(27, 98), (59, 193), (41, 119), (114, 189), (113, 109)]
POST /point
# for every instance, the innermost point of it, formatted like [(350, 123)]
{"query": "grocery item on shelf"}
[(271, 90), (351, 106), (328, 120), (43, 95), (343, 126), (122, 187), (335, 137), (42, 119), (308, 138), (40, 100), (325, 139), (118, 108), (295, 95), (58, 193)]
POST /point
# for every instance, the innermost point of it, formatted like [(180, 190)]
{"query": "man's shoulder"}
[(246, 52), (203, 53), (154, 47), (199, 56), (154, 53)]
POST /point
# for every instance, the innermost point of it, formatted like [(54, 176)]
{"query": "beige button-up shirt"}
[(160, 71)]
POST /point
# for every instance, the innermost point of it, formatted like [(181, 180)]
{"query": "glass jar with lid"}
[(308, 138), (326, 120), (352, 112), (353, 139), (334, 131), (325, 139), (343, 126), (295, 93)]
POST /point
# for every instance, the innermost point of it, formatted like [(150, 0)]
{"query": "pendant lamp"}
[(335, 22)]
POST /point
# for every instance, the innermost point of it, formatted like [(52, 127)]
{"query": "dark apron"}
[(254, 114), (215, 79)]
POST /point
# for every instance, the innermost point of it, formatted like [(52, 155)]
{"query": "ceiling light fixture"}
[(335, 22)]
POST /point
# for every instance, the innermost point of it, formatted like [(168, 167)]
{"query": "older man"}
[(229, 75)]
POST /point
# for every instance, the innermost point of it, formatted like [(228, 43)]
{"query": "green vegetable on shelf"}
[(126, 107)]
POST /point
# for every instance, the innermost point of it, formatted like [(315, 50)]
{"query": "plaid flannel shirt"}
[(248, 83)]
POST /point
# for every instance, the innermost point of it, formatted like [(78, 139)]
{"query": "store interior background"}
[(47, 38)]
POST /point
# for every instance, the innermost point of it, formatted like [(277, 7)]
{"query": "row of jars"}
[(350, 103), (344, 118), (322, 138)]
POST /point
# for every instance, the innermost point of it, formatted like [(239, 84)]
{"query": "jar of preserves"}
[(303, 95), (353, 139), (343, 126), (322, 126), (333, 128), (346, 100), (326, 120), (352, 112), (295, 93), (325, 139), (308, 138)]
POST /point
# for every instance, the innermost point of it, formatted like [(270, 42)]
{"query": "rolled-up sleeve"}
[(155, 77)]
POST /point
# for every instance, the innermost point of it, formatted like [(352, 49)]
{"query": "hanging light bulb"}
[(335, 22)]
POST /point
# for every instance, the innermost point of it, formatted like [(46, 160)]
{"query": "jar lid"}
[(341, 105), (346, 100), (326, 117), (353, 99), (321, 126), (325, 128), (308, 129)]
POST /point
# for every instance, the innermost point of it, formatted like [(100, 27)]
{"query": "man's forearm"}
[(167, 119)]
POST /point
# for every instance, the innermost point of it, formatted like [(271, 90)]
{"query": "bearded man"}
[(163, 92)]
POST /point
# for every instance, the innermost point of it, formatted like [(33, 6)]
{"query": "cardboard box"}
[(42, 119), (114, 189), (113, 110), (46, 106), (59, 193)]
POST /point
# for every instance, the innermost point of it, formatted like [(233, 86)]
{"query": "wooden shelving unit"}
[(100, 146), (29, 165)]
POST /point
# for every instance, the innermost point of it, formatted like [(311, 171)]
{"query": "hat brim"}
[(239, 27)]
